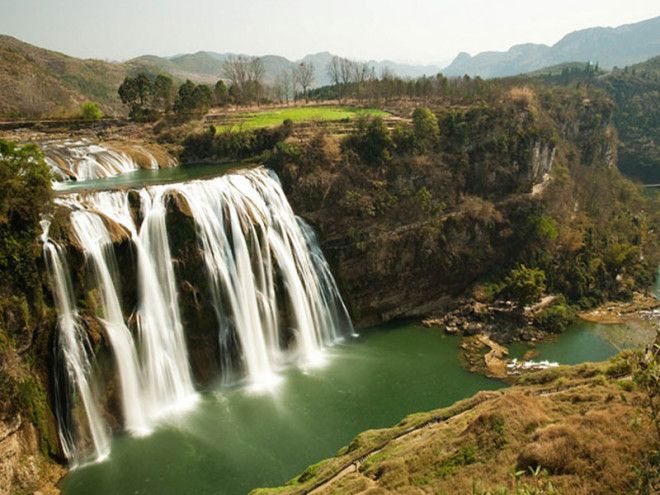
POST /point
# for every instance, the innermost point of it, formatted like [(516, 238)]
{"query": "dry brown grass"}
[(601, 445), (525, 95), (576, 428)]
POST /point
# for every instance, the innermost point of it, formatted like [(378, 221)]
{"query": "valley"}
[(233, 274)]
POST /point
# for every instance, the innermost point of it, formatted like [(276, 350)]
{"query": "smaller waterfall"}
[(83, 160), (331, 311), (167, 382), (76, 355), (93, 236)]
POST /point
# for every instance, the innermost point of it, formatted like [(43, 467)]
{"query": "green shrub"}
[(404, 139), (525, 285), (25, 194), (546, 227), (556, 317), (228, 145), (426, 131), (281, 154), (464, 456), (372, 141), (34, 400), (91, 111)]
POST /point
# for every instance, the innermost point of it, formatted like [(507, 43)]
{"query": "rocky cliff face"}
[(22, 468), (406, 237)]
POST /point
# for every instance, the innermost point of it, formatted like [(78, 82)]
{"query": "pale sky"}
[(421, 31)]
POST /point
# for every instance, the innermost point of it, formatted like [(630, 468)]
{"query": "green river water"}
[(234, 441), (145, 177)]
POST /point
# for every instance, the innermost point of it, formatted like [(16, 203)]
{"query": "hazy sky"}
[(430, 31)]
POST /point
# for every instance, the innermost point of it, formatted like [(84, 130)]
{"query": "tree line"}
[(149, 97), (358, 81), (242, 82)]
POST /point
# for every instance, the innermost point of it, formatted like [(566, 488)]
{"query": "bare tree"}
[(342, 72), (256, 73), (305, 77), (284, 86), (246, 74), (334, 70), (234, 69), (361, 72), (346, 70)]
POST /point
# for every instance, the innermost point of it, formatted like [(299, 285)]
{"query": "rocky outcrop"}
[(500, 319), (22, 468)]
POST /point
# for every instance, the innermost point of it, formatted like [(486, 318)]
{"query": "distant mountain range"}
[(206, 67), (609, 47), (39, 82)]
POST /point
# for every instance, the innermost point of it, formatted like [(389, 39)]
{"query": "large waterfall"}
[(274, 299)]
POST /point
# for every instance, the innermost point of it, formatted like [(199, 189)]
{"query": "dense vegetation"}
[(230, 146), (448, 202), (636, 92), (25, 320), (149, 97)]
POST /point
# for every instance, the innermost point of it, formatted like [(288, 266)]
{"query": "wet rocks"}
[(501, 320)]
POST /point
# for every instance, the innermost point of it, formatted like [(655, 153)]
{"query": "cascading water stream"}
[(83, 160), (76, 352), (167, 382), (272, 292), (93, 236)]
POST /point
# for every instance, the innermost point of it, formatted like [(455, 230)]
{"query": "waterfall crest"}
[(270, 288), (83, 160)]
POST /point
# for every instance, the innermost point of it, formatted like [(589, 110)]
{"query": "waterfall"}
[(76, 357), (82, 160), (274, 298), (95, 240), (166, 373), (248, 234)]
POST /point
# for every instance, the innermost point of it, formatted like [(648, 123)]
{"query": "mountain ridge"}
[(608, 46), (37, 82)]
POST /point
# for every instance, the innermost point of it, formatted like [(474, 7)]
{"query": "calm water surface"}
[(235, 441), (143, 177)]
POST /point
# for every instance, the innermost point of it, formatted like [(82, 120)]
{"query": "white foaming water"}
[(76, 352), (82, 160), (248, 234), (167, 382), (272, 292), (94, 238)]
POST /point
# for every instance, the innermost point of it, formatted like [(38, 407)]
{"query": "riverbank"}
[(643, 307), (565, 430)]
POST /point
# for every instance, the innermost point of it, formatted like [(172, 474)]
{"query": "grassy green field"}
[(271, 118)]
